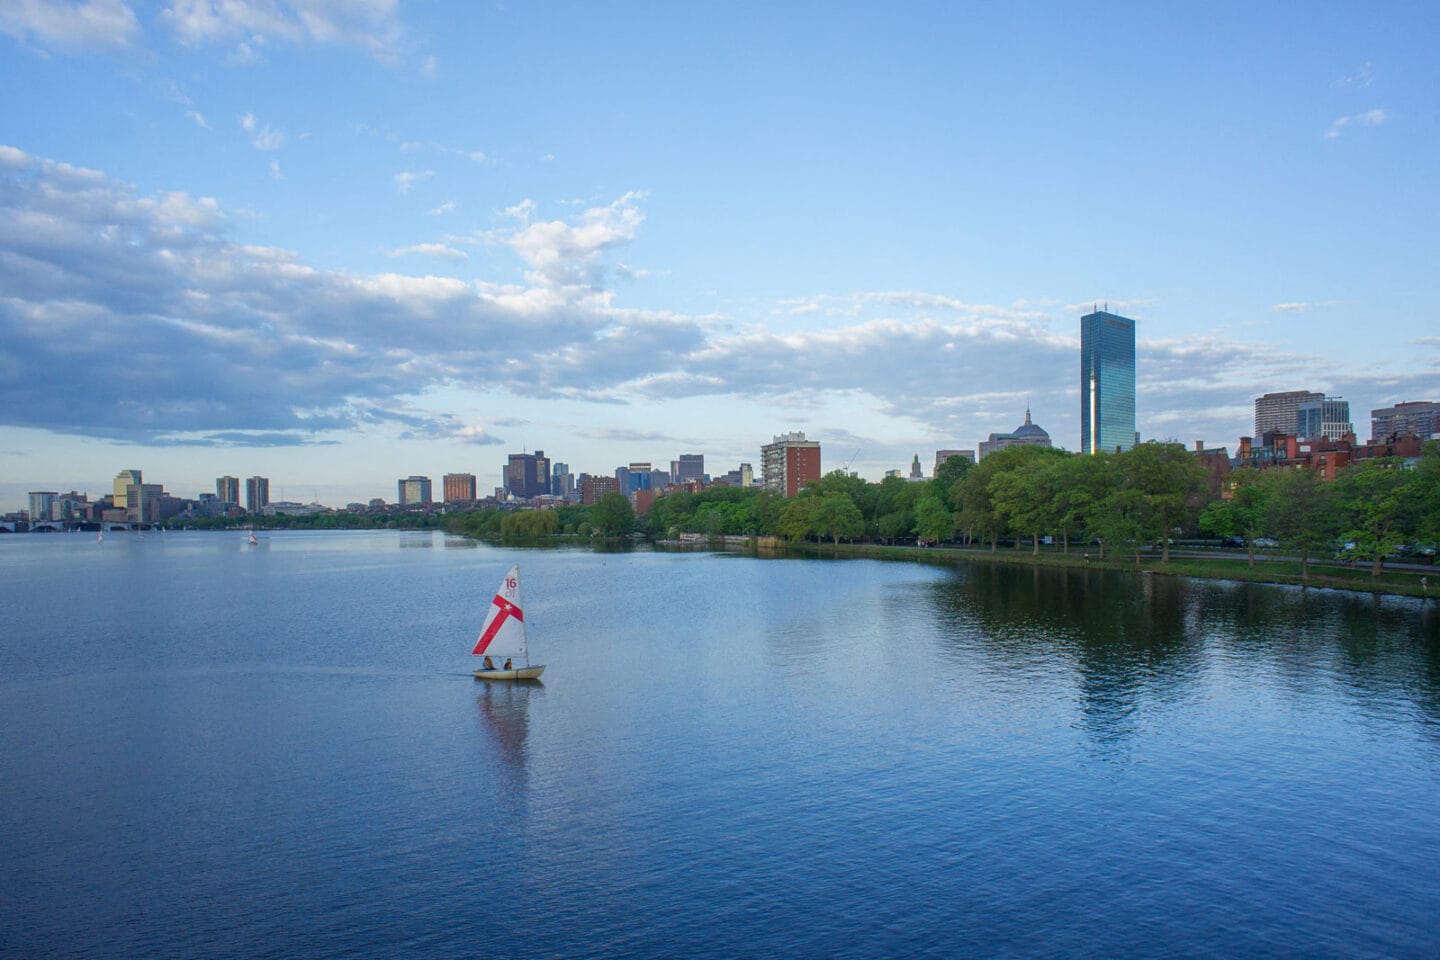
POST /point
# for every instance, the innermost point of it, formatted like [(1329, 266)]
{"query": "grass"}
[(1287, 572)]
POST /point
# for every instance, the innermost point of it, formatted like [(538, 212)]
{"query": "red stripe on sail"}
[(507, 609)]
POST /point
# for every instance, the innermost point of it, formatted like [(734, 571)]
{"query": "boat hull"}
[(519, 673)]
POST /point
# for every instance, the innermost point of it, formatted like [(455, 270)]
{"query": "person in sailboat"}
[(507, 663), (488, 665)]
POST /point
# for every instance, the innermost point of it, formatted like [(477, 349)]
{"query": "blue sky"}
[(336, 243)]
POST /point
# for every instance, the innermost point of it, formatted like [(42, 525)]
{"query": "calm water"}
[(227, 751)]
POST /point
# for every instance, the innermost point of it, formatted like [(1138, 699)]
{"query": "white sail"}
[(503, 635)]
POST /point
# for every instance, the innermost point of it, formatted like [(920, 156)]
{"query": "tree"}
[(1372, 506), (1244, 512), (1022, 490), (835, 515), (1164, 484), (797, 518), (612, 515), (1297, 511), (933, 520)]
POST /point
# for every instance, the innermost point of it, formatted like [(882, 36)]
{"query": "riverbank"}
[(1282, 572)]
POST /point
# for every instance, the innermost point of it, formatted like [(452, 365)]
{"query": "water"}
[(227, 751)]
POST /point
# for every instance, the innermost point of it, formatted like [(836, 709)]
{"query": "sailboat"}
[(252, 541), (503, 635)]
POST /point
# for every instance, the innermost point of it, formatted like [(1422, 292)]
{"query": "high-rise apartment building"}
[(227, 489), (1417, 418), (1328, 417), (593, 488), (1107, 382), (459, 487), (257, 494), (788, 462), (413, 490), (1279, 412), (42, 504)]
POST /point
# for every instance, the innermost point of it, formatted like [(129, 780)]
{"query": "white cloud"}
[(429, 250), (262, 137), (569, 255), (447, 207), (275, 173), (371, 25), (1370, 118), (71, 25), (1361, 78), (199, 119), (406, 179)]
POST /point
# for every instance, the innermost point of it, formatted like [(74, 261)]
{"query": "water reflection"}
[(1126, 645), (504, 710)]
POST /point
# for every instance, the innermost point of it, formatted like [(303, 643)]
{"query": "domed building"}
[(1027, 434)]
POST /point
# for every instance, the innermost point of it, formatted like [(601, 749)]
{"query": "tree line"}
[(1111, 504)]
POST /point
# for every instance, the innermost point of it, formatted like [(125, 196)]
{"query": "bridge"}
[(70, 526)]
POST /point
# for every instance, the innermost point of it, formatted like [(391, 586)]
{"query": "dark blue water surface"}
[(215, 750)]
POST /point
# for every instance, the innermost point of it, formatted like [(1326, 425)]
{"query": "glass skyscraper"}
[(1107, 382)]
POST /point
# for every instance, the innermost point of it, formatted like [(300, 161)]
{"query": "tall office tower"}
[(1328, 417), (414, 490), (123, 479), (1279, 412), (562, 482), (527, 475), (142, 501), (788, 462), (42, 504), (690, 466), (1417, 418), (257, 494), (459, 487), (227, 489), (1107, 382)]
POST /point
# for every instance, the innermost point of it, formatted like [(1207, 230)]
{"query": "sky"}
[(340, 242)]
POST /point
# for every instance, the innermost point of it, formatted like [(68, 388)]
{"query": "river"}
[(221, 750)]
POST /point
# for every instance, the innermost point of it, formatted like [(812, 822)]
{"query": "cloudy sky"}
[(336, 242)]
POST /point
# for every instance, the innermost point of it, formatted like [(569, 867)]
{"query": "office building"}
[(142, 502), (562, 481), (413, 491), (788, 462), (1107, 383), (459, 487), (123, 479), (1328, 417), (942, 455), (227, 489), (257, 494), (915, 472), (527, 475), (636, 477), (1417, 418), (1279, 412), (1026, 435), (690, 467)]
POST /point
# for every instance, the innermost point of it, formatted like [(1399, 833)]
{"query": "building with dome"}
[(1027, 434)]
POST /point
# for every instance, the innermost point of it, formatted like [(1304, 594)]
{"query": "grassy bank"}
[(1285, 572)]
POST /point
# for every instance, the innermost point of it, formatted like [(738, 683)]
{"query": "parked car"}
[(1266, 542)]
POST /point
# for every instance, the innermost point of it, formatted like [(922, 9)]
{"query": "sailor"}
[(507, 663), (489, 664)]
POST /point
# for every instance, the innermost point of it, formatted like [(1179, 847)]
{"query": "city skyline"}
[(242, 240)]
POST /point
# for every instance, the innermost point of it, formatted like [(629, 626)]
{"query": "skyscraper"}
[(227, 489), (257, 494), (1107, 382), (1328, 417), (527, 475)]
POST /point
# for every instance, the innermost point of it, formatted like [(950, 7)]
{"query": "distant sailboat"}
[(504, 635), (252, 541)]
